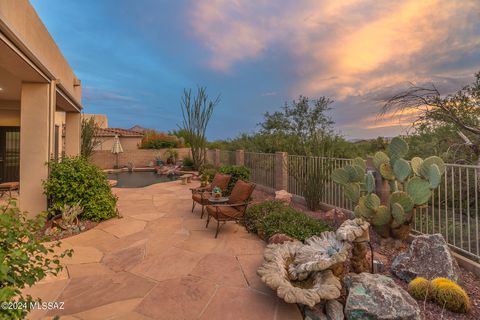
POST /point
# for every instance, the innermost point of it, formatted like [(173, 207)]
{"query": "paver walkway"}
[(160, 262)]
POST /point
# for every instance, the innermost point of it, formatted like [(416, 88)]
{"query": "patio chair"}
[(235, 208), (201, 195), (8, 187)]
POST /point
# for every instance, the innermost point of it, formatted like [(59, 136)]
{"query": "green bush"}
[(237, 173), (271, 217), (23, 258), (206, 166), (208, 170), (187, 162), (75, 180)]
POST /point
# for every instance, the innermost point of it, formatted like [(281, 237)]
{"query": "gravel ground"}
[(430, 310)]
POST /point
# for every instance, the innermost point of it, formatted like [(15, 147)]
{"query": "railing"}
[(301, 167), (262, 168), (453, 211)]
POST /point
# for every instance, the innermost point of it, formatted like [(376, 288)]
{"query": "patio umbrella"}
[(116, 149)]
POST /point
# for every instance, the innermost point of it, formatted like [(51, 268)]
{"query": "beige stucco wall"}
[(128, 143), (21, 18), (140, 157)]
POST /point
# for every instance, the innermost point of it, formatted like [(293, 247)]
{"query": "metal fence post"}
[(240, 157), (281, 171)]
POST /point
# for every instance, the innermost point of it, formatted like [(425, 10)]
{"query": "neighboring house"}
[(40, 97), (129, 139), (138, 128)]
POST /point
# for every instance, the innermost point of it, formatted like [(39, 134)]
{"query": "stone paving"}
[(160, 262)]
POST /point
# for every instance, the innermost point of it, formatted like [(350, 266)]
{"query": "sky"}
[(135, 57)]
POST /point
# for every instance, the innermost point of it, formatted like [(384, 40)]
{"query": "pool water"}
[(139, 179)]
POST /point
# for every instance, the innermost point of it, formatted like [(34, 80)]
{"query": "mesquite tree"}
[(196, 112), (460, 110)]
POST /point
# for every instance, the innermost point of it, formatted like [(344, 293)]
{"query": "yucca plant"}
[(405, 186)]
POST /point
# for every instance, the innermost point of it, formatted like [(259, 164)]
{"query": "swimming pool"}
[(138, 179)]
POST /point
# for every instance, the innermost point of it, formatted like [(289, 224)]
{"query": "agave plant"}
[(69, 216), (405, 186)]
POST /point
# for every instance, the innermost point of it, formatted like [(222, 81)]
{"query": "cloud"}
[(357, 51), (97, 94)]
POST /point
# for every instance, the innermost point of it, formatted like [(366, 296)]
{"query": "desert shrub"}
[(159, 140), (236, 173), (207, 170), (271, 217), (447, 293), (23, 258), (187, 162), (419, 288), (75, 180)]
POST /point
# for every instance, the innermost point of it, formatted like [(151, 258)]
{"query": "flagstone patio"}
[(160, 262)]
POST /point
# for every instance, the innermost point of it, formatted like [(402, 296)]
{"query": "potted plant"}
[(216, 192), (171, 155)]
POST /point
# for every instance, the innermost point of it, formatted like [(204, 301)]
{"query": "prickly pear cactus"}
[(410, 185)]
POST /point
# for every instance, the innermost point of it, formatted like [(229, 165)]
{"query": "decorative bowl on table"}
[(216, 192)]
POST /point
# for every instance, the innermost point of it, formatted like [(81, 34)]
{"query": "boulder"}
[(428, 257), (374, 296), (283, 196), (334, 216), (334, 310), (316, 312), (279, 238)]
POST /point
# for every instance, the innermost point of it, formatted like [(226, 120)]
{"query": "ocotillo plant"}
[(405, 187)]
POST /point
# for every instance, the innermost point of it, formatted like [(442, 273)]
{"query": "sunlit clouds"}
[(136, 57), (345, 49)]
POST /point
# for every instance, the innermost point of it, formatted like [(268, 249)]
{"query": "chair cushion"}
[(197, 197), (225, 212), (220, 180), (241, 192)]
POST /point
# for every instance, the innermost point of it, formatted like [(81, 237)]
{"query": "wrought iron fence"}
[(262, 168), (301, 167), (453, 211)]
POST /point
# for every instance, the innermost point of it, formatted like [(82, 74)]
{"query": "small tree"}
[(197, 111), (459, 111), (89, 140)]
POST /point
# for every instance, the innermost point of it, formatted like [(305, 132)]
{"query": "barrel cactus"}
[(405, 186)]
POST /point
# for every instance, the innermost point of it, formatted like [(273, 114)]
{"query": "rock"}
[(334, 310), (374, 296), (428, 257), (353, 230), (283, 196), (315, 313), (322, 285), (280, 238), (378, 266), (334, 216)]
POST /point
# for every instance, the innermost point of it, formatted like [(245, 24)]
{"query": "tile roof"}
[(111, 132)]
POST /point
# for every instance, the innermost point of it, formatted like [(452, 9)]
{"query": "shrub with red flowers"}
[(160, 140)]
